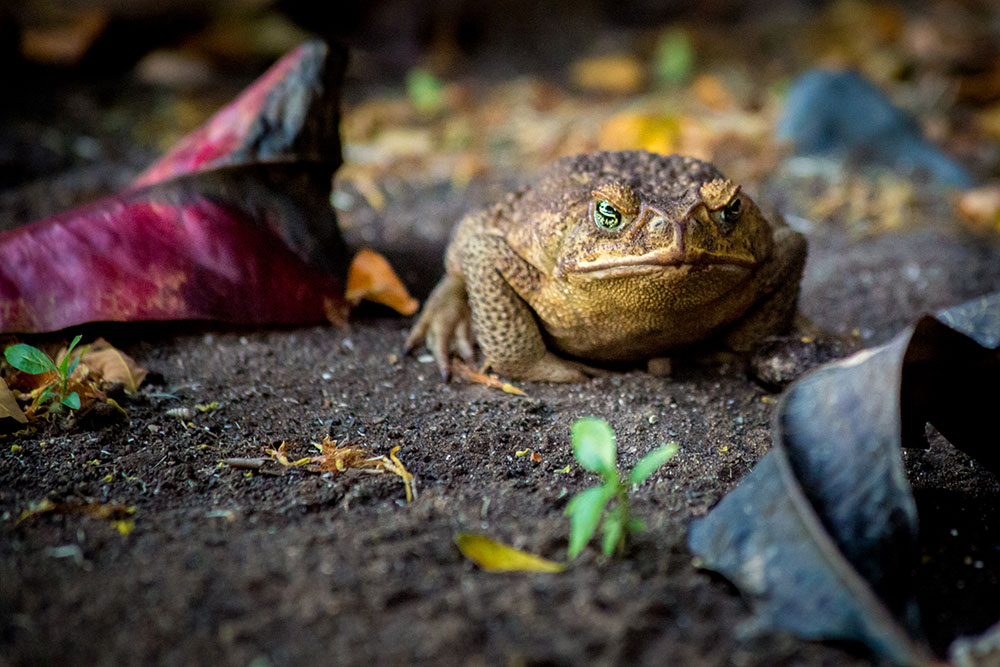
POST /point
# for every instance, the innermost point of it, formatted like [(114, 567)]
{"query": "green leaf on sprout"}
[(650, 462), (29, 359), (612, 533), (72, 401), (584, 512), (65, 360), (74, 364), (594, 446)]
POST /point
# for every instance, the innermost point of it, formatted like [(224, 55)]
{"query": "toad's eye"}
[(731, 212), (606, 216)]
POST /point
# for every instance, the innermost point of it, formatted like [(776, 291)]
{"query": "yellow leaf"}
[(493, 556), (370, 277), (9, 406), (124, 526), (632, 131)]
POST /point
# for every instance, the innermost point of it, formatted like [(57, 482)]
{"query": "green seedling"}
[(29, 359), (594, 448)]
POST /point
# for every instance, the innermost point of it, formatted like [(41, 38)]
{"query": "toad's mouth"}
[(657, 261)]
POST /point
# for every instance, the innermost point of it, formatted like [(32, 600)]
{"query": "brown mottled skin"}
[(544, 287)]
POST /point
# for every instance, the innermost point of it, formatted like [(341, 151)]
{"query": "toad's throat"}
[(659, 260)]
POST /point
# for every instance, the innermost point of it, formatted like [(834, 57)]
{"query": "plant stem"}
[(623, 515)]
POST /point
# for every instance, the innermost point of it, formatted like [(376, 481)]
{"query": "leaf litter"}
[(337, 459), (94, 371)]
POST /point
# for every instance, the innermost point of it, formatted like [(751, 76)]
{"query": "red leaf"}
[(291, 111), (243, 231), (207, 246)]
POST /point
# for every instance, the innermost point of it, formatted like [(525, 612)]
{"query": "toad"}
[(611, 257)]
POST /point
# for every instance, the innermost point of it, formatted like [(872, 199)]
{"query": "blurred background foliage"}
[(450, 91)]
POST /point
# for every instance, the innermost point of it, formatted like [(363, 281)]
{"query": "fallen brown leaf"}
[(711, 91), (65, 42), (622, 74), (9, 406), (371, 278), (980, 208), (113, 365)]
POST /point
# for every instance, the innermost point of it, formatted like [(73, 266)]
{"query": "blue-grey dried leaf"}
[(821, 534)]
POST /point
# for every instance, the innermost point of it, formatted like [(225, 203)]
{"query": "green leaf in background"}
[(650, 462), (674, 59), (584, 512), (72, 401), (594, 446), (425, 90), (29, 359)]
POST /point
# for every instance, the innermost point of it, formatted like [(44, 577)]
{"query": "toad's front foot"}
[(444, 324)]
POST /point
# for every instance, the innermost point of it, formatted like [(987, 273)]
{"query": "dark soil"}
[(288, 567), (297, 568)]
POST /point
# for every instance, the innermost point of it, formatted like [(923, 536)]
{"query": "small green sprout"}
[(594, 448), (29, 359)]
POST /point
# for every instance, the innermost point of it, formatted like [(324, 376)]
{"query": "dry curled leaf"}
[(371, 278), (9, 406), (821, 534), (494, 556), (113, 365)]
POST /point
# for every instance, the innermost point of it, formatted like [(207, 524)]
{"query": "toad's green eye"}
[(606, 216)]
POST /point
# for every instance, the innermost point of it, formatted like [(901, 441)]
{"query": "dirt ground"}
[(285, 567), (296, 568)]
